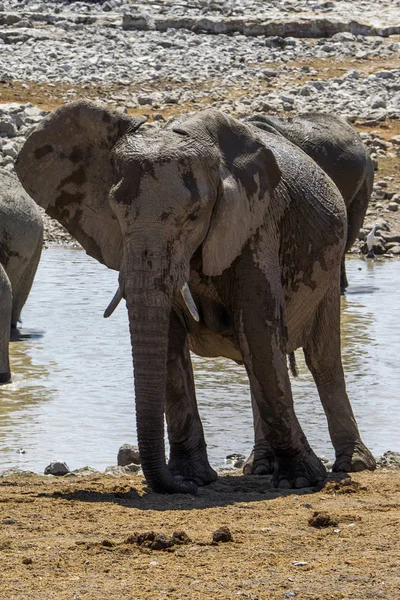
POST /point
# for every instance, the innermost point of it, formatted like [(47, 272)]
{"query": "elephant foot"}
[(299, 471), (193, 467), (5, 377), (354, 458), (260, 462)]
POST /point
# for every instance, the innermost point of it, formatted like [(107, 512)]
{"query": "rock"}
[(7, 126), (344, 36), (16, 472), (83, 472), (141, 21), (121, 471), (393, 206), (145, 100), (271, 73), (10, 149), (27, 561), (389, 459), (57, 468), (378, 102), (384, 74), (381, 225), (127, 455), (223, 534), (394, 249)]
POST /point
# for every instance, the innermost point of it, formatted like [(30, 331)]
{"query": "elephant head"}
[(142, 202)]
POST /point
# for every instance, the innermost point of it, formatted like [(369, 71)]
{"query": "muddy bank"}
[(84, 538)]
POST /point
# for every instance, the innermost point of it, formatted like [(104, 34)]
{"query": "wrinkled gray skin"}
[(258, 231), (21, 238), (338, 149)]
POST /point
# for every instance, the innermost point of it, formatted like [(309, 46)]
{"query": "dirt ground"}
[(82, 538)]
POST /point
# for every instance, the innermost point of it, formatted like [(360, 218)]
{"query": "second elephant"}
[(339, 151), (21, 239)]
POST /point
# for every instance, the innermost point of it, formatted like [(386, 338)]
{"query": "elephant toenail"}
[(284, 484), (301, 482)]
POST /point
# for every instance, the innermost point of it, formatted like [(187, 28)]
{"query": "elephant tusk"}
[(113, 304), (190, 304)]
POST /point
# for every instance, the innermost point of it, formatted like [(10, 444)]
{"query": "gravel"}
[(241, 57)]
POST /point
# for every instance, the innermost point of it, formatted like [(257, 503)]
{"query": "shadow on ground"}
[(227, 490)]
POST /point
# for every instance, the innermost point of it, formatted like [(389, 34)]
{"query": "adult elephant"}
[(246, 221), (338, 149), (21, 239)]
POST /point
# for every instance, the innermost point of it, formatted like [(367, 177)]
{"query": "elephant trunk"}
[(5, 325), (149, 308)]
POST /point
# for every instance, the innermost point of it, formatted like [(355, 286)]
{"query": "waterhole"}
[(72, 398)]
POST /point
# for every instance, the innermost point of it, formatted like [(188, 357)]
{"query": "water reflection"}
[(71, 397)]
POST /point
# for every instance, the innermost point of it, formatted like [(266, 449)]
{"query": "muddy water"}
[(71, 397)]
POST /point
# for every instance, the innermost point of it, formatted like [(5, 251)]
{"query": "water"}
[(71, 397)]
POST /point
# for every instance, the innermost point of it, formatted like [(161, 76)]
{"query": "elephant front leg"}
[(188, 454), (323, 358)]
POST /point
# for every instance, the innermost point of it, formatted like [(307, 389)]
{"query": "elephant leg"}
[(323, 358), (259, 323), (355, 217), (5, 325), (22, 286), (261, 461), (188, 454), (344, 284)]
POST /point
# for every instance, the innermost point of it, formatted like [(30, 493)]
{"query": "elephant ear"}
[(248, 175), (65, 165)]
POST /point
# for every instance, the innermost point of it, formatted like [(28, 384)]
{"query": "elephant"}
[(338, 149), (21, 240), (228, 242)]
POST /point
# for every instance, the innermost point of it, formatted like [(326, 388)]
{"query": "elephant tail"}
[(293, 365)]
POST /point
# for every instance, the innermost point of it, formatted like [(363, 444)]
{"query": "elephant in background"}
[(228, 241), (338, 149), (21, 240)]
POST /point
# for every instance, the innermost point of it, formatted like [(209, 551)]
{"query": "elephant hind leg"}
[(323, 358), (5, 324), (22, 287), (355, 217), (261, 461)]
